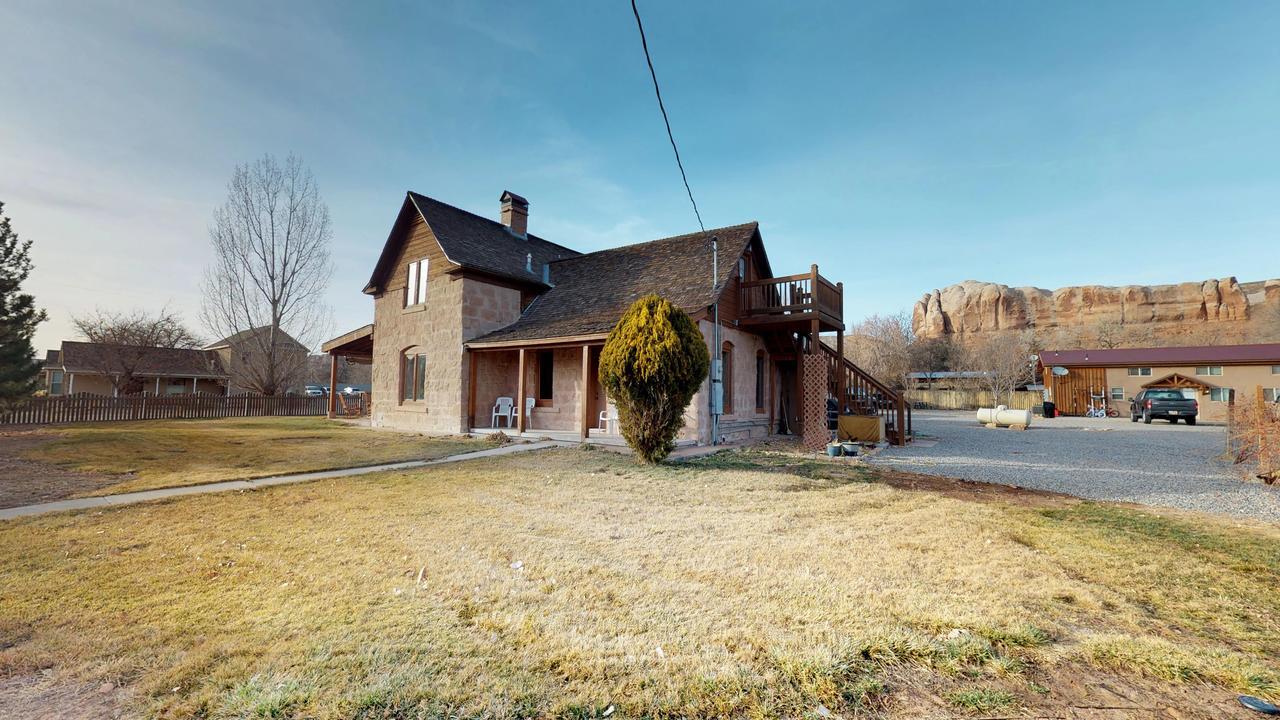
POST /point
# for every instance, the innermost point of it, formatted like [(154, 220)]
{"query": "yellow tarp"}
[(861, 428)]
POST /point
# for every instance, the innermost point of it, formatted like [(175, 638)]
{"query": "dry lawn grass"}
[(157, 454), (567, 583)]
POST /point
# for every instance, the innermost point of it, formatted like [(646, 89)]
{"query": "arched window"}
[(726, 375), (762, 369), (413, 375)]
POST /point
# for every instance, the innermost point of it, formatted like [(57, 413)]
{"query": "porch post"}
[(583, 397), (71, 383), (157, 385), (797, 402), (332, 400), (521, 421), (471, 389)]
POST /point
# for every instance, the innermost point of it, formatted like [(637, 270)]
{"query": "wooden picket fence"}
[(972, 399), (98, 408)]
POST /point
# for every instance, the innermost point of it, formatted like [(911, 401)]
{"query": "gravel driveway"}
[(1100, 459)]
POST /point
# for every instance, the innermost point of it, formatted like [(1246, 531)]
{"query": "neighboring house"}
[(246, 355), (88, 368), (1210, 374), (468, 310)]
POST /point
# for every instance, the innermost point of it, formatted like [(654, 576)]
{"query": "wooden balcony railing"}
[(793, 295)]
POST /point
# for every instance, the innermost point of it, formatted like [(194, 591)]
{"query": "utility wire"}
[(658, 91)]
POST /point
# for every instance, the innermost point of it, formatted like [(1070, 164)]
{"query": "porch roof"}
[(592, 291), (357, 343), (1178, 380)]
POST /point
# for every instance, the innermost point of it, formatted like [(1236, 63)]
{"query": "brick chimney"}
[(515, 213)]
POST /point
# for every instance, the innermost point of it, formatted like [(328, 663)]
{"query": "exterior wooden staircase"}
[(855, 392)]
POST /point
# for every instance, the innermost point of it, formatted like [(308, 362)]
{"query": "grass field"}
[(156, 454), (576, 584)]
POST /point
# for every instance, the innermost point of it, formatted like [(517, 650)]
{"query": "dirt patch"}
[(42, 697), (25, 482), (970, 490), (1063, 692)]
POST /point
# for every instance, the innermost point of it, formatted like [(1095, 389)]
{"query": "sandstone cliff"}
[(972, 308)]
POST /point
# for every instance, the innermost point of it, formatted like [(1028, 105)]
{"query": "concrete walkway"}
[(148, 495)]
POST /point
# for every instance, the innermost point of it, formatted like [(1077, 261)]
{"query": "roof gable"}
[(469, 241), (590, 292)]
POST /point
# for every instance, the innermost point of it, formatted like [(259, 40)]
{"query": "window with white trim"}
[(1117, 393), (1220, 394), (55, 382), (1275, 369), (415, 289), (413, 375), (1140, 372), (1209, 370)]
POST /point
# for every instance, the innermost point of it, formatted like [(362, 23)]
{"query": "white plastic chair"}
[(528, 413), (609, 419), (503, 408)]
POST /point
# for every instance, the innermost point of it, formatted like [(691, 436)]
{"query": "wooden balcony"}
[(794, 301)]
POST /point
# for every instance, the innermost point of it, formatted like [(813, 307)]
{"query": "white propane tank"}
[(1001, 415)]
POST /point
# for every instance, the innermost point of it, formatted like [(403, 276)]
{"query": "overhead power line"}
[(658, 91)]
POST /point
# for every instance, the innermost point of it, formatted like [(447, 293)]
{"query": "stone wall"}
[(972, 308)]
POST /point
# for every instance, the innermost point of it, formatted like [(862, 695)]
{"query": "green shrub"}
[(652, 365)]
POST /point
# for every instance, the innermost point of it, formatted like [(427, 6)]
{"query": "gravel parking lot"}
[(1100, 459)]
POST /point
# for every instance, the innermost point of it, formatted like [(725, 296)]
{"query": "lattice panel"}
[(814, 404)]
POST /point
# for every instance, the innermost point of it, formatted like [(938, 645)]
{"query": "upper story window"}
[(415, 290), (546, 377), (1136, 372), (413, 375), (742, 268), (1275, 369), (1213, 370)]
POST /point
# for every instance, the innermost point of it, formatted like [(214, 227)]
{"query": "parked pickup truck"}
[(1164, 403)]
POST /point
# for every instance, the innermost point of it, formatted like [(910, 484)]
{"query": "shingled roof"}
[(85, 357), (1260, 354), (472, 242), (592, 291)]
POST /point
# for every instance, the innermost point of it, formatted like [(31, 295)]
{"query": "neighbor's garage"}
[(1213, 375)]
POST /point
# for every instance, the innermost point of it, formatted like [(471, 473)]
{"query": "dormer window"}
[(415, 290)]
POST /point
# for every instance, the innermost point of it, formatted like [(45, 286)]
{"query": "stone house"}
[(468, 310)]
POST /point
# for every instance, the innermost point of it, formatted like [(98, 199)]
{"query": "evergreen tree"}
[(652, 365), (19, 316)]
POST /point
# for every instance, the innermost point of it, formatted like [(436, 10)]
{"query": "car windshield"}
[(1165, 395)]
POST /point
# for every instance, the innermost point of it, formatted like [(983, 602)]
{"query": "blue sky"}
[(902, 146)]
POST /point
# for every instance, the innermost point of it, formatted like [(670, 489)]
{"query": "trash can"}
[(1050, 410)]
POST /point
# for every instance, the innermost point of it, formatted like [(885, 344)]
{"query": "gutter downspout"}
[(717, 369)]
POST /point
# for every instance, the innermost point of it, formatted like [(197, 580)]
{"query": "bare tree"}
[(1110, 334), (881, 345), (124, 341), (1004, 361), (270, 271)]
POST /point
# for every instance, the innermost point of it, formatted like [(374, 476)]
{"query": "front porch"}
[(540, 390)]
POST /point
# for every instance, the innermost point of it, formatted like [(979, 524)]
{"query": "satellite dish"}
[(1060, 371)]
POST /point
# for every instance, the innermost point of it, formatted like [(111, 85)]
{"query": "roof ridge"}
[(491, 221), (709, 232)]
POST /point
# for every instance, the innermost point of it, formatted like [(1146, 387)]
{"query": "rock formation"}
[(972, 308)]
